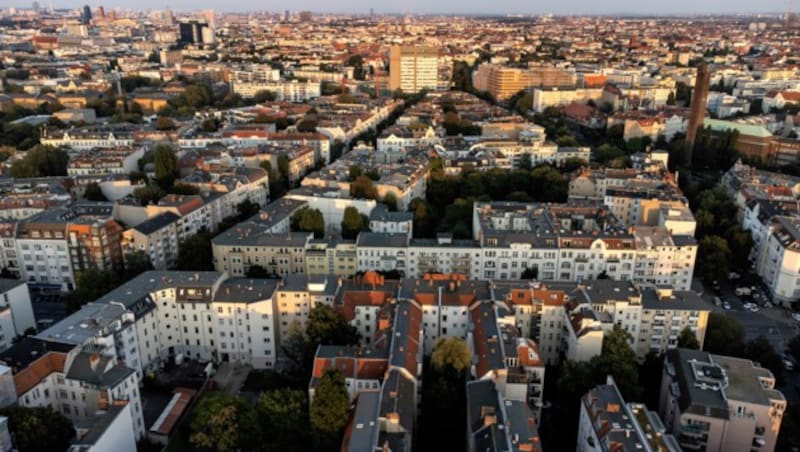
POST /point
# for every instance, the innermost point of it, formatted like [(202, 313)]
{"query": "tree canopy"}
[(308, 220), (222, 422), (353, 222), (38, 429), (724, 336), (330, 410), (453, 353), (41, 161), (283, 420), (166, 166)]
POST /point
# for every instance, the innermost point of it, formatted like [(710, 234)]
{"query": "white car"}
[(754, 309), (726, 306)]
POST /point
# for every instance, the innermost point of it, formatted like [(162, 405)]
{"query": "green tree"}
[(713, 257), (222, 422), (687, 339), (149, 194), (94, 193), (330, 411), (164, 123), (257, 271), (264, 96), (424, 225), (525, 162), (328, 327), (283, 420), (194, 253), (451, 352), (183, 189), (308, 220), (606, 153), (90, 285), (391, 201), (136, 263), (38, 429), (210, 125), (567, 141), (619, 360), (724, 336), (363, 188), (761, 351), (247, 209), (166, 166), (353, 172), (283, 166), (353, 222), (41, 161)]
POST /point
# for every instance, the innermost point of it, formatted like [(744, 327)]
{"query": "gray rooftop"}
[(679, 300), (605, 403), (245, 290), (97, 370), (382, 240), (156, 223), (92, 320), (366, 428), (254, 232), (135, 294)]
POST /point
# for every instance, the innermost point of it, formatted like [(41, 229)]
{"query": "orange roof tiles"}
[(29, 377)]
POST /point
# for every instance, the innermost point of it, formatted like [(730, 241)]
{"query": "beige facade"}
[(238, 250), (413, 68), (337, 258)]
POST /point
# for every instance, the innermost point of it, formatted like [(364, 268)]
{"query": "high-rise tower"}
[(698, 108)]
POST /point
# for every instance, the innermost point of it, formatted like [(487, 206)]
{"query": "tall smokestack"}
[(698, 108)]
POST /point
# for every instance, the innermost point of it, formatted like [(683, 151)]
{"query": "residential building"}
[(607, 423), (413, 68), (719, 403)]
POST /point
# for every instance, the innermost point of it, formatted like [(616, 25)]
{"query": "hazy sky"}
[(449, 6)]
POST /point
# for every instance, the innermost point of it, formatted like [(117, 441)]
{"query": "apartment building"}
[(16, 311), (778, 259), (105, 161), (53, 246), (719, 403), (76, 382), (497, 423), (413, 68), (381, 219), (543, 98), (289, 91), (504, 82), (248, 245), (157, 237), (296, 296), (88, 138), (608, 423), (505, 357), (386, 414), (332, 257), (568, 241)]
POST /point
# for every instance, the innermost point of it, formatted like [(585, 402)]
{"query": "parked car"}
[(734, 275), (717, 301), (726, 306), (742, 291)]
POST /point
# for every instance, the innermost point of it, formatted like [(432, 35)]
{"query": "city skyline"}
[(471, 7)]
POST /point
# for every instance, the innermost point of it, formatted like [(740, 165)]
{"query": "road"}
[(776, 324)]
